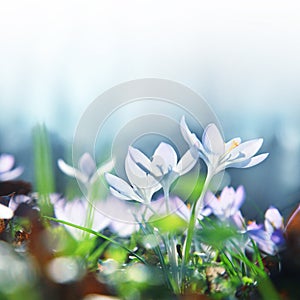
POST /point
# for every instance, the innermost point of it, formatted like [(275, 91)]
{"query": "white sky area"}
[(57, 56)]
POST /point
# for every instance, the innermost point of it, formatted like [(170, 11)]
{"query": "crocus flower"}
[(163, 166), (274, 225), (122, 190), (142, 185), (7, 172), (219, 155), (87, 171), (227, 205), (262, 238)]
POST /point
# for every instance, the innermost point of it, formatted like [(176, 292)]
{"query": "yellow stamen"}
[(234, 144)]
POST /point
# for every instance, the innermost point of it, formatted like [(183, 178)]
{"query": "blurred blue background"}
[(56, 57)]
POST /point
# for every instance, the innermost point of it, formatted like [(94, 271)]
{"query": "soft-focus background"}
[(56, 57)]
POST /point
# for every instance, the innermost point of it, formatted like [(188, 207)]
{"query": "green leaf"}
[(43, 169), (216, 235)]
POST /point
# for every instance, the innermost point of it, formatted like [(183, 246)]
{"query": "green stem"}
[(90, 211), (171, 247), (197, 205)]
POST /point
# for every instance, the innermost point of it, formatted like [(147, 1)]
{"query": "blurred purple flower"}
[(177, 206), (219, 155), (227, 205), (75, 212), (263, 240), (274, 225), (110, 213), (7, 172), (269, 237)]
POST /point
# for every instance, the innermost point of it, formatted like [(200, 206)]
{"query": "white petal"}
[(87, 165), (6, 162), (11, 174), (5, 212), (122, 187), (212, 140), (256, 160), (106, 167), (70, 171), (118, 194), (71, 211), (189, 137), (140, 159), (137, 176), (187, 162), (166, 156), (100, 221), (273, 219), (15, 201), (250, 162), (248, 148)]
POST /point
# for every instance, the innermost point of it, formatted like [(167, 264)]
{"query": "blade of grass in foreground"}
[(98, 234), (43, 169)]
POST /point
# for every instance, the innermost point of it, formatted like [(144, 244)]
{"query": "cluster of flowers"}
[(147, 176)]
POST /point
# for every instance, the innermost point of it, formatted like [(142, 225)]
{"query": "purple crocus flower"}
[(263, 240), (227, 205), (269, 237), (274, 225)]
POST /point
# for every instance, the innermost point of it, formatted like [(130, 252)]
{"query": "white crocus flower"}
[(163, 166), (219, 155), (87, 171), (5, 212), (7, 172), (142, 185)]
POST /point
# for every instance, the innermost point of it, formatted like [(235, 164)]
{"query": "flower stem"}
[(196, 207), (171, 247)]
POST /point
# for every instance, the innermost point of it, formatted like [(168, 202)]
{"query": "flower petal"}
[(250, 162), (273, 220), (239, 199), (5, 212), (164, 158), (189, 137), (212, 140), (248, 148), (6, 162), (87, 165), (121, 187), (70, 171), (187, 162), (11, 174), (137, 176), (140, 159), (106, 167)]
